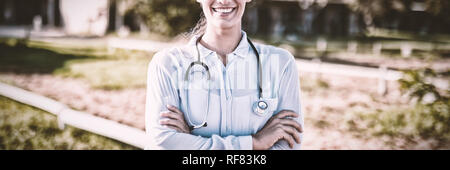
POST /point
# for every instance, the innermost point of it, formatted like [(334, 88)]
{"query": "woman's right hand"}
[(278, 127), (174, 119)]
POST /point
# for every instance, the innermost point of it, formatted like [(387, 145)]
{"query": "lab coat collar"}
[(241, 50), (243, 46)]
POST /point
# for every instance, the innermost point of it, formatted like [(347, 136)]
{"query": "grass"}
[(25, 127), (413, 124), (313, 84), (21, 59), (105, 70), (108, 74)]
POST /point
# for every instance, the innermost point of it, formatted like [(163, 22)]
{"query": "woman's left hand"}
[(174, 119)]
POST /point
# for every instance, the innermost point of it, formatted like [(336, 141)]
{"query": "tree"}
[(168, 17), (386, 10)]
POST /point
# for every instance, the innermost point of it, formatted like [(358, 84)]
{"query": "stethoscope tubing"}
[(205, 66)]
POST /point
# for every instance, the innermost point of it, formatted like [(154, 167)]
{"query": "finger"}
[(186, 129), (177, 117), (280, 116), (172, 115), (275, 118), (172, 127), (175, 128), (271, 122), (292, 123), (181, 124), (292, 132), (174, 109), (286, 113), (171, 122), (289, 139)]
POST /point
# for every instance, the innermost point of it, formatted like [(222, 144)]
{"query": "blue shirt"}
[(233, 90)]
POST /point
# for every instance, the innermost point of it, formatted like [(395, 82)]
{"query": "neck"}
[(222, 41)]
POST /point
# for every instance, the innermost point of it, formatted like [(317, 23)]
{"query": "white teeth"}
[(223, 10)]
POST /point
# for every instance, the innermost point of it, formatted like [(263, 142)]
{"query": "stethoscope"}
[(260, 107)]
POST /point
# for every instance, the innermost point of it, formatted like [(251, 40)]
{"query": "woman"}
[(222, 92)]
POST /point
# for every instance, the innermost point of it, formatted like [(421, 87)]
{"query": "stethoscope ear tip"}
[(205, 124)]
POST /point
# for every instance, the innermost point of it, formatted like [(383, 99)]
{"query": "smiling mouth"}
[(224, 10)]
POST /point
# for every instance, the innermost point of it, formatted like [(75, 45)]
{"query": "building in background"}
[(82, 19)]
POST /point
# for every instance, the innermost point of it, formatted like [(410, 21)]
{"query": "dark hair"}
[(199, 27)]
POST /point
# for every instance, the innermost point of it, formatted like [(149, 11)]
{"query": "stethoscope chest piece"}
[(260, 107)]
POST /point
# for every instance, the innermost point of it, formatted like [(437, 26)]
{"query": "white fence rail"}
[(346, 70), (382, 73), (81, 120)]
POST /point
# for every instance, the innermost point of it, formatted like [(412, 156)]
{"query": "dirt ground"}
[(325, 105)]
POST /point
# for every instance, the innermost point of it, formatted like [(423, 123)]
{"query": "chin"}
[(225, 24)]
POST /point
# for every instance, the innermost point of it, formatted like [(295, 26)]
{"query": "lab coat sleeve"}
[(161, 85), (289, 99)]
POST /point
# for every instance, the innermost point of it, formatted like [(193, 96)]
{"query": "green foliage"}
[(425, 120), (439, 8), (313, 84), (21, 59), (382, 7), (25, 127), (415, 83), (384, 10), (108, 74), (430, 121), (168, 17)]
